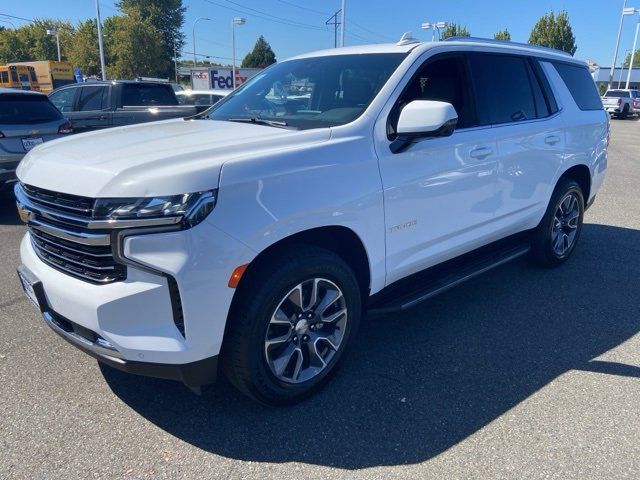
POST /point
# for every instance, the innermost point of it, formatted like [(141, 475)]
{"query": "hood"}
[(160, 158)]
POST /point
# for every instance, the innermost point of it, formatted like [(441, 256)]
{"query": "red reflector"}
[(234, 280)]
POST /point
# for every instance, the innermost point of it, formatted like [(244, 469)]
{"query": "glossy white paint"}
[(438, 199), (422, 116)]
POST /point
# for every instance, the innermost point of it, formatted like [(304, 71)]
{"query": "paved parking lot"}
[(523, 373)]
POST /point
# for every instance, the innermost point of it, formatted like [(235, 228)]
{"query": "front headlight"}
[(192, 207)]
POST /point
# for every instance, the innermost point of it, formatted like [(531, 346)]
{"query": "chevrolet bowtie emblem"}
[(25, 215)]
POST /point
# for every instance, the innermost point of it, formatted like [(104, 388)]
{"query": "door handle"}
[(481, 152), (552, 139)]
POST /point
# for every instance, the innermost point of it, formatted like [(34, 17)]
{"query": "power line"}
[(370, 31), (266, 16), (304, 8), (17, 18)]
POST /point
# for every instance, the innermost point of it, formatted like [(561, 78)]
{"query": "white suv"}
[(254, 237)]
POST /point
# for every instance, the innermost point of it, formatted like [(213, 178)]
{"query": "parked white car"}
[(621, 102), (201, 97), (255, 237)]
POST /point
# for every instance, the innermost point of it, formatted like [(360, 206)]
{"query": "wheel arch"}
[(338, 239), (581, 174)]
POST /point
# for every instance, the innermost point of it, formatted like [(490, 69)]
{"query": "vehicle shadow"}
[(8, 211), (418, 383)]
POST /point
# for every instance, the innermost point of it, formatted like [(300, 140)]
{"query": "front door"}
[(440, 193)]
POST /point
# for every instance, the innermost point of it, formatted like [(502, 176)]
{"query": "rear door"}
[(515, 98), (92, 110)]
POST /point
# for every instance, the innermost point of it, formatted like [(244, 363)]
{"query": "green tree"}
[(83, 51), (454, 30), (554, 31), (167, 16), (136, 48), (261, 56), (31, 42), (502, 35), (636, 60)]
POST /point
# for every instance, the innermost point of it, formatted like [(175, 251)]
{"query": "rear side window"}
[(581, 85), (91, 98), (4, 77), (504, 89), (26, 109), (145, 94)]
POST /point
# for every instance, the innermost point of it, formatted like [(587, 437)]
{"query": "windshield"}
[(310, 92)]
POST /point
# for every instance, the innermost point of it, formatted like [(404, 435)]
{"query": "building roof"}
[(601, 74)]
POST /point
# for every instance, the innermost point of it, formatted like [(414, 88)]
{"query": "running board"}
[(417, 288)]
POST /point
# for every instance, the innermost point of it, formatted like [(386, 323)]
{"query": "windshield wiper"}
[(260, 121)]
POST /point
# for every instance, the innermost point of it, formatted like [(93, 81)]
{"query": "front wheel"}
[(555, 238), (291, 324)]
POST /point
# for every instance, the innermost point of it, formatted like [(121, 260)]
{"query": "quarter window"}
[(581, 85)]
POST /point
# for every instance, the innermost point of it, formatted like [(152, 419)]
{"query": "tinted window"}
[(503, 87), (581, 85), (14, 76), (616, 94), (543, 81), (442, 79), (145, 94), (16, 109), (33, 75), (4, 77), (63, 99), (91, 98)]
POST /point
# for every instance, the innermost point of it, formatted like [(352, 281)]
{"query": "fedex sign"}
[(220, 78)]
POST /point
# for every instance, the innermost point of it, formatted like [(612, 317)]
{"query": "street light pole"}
[(56, 32), (633, 52), (235, 21), (615, 52), (175, 59), (622, 68), (195, 62), (433, 27), (100, 46)]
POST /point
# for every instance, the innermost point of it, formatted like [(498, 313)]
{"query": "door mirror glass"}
[(424, 118)]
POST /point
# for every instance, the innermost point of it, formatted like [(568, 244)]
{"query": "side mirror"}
[(422, 119)]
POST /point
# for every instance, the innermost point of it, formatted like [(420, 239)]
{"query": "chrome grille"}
[(94, 263), (60, 235)]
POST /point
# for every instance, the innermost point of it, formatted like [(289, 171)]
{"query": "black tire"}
[(542, 250), (244, 359), (625, 112)]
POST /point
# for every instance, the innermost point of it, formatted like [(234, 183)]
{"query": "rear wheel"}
[(555, 238), (291, 325), (625, 112)]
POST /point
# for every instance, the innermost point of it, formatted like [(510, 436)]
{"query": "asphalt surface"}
[(522, 373)]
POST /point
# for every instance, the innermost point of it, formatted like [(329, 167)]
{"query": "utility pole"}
[(195, 61), (56, 32), (335, 24), (102, 66), (343, 20), (615, 52)]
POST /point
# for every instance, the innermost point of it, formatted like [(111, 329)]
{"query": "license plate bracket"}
[(32, 287)]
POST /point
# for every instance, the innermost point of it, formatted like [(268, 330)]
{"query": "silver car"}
[(27, 119)]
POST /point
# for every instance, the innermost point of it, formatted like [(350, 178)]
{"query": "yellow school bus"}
[(19, 76), (50, 74)]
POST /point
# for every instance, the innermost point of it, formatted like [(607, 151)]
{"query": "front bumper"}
[(136, 316)]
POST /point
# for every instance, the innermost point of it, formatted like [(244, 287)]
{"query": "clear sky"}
[(295, 26)]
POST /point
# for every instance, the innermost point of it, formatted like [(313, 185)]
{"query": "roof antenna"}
[(407, 39)]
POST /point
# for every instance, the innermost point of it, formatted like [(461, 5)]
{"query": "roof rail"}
[(506, 42)]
